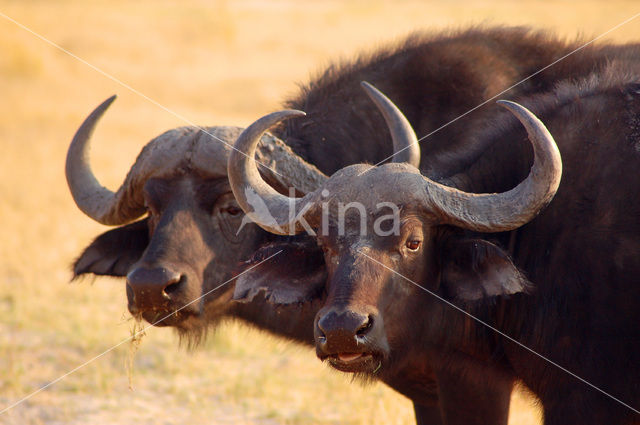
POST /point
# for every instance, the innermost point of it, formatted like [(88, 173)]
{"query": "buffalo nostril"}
[(321, 336), (365, 327), (322, 325), (172, 286), (130, 292)]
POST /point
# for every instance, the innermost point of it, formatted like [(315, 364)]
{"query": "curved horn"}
[(405, 142), (269, 209), (96, 201), (499, 212), (285, 168)]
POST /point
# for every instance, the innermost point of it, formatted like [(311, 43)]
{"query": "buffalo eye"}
[(232, 211), (413, 244)]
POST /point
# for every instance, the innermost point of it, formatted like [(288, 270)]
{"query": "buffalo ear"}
[(294, 272), (114, 252), (474, 269)]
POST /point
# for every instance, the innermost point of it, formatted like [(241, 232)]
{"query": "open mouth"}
[(348, 357), (354, 362)]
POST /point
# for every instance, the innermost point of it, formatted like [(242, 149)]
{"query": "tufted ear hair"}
[(475, 269), (113, 252), (295, 273)]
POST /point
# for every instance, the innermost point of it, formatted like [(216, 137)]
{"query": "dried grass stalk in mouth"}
[(137, 333)]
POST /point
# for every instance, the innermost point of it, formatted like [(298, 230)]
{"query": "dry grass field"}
[(212, 62)]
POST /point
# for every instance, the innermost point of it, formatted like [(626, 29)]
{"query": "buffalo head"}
[(385, 239), (185, 241)]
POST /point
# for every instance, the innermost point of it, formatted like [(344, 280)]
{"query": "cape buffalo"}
[(553, 297), (188, 244)]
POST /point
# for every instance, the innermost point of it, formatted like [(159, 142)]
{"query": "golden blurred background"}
[(213, 63)]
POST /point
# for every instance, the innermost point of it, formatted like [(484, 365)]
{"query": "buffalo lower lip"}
[(347, 357), (352, 362), (350, 359)]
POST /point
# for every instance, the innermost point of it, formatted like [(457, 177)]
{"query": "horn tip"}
[(107, 102), (368, 87), (509, 104), (366, 84), (286, 114), (518, 110)]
